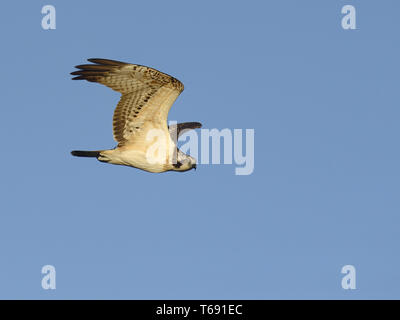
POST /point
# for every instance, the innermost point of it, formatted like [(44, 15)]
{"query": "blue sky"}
[(324, 193)]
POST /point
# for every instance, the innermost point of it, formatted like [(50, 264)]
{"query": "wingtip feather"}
[(107, 62)]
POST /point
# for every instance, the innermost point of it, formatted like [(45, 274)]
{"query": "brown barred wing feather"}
[(147, 94)]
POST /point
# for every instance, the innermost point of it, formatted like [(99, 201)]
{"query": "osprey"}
[(145, 141)]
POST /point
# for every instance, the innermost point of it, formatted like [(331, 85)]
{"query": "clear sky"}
[(324, 104)]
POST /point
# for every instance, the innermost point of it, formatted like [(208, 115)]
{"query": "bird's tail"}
[(87, 154)]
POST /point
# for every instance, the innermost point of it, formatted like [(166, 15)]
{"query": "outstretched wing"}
[(176, 130), (147, 94)]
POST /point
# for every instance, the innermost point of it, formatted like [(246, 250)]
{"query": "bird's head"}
[(185, 163)]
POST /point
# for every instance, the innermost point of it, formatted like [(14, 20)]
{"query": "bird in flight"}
[(145, 141)]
